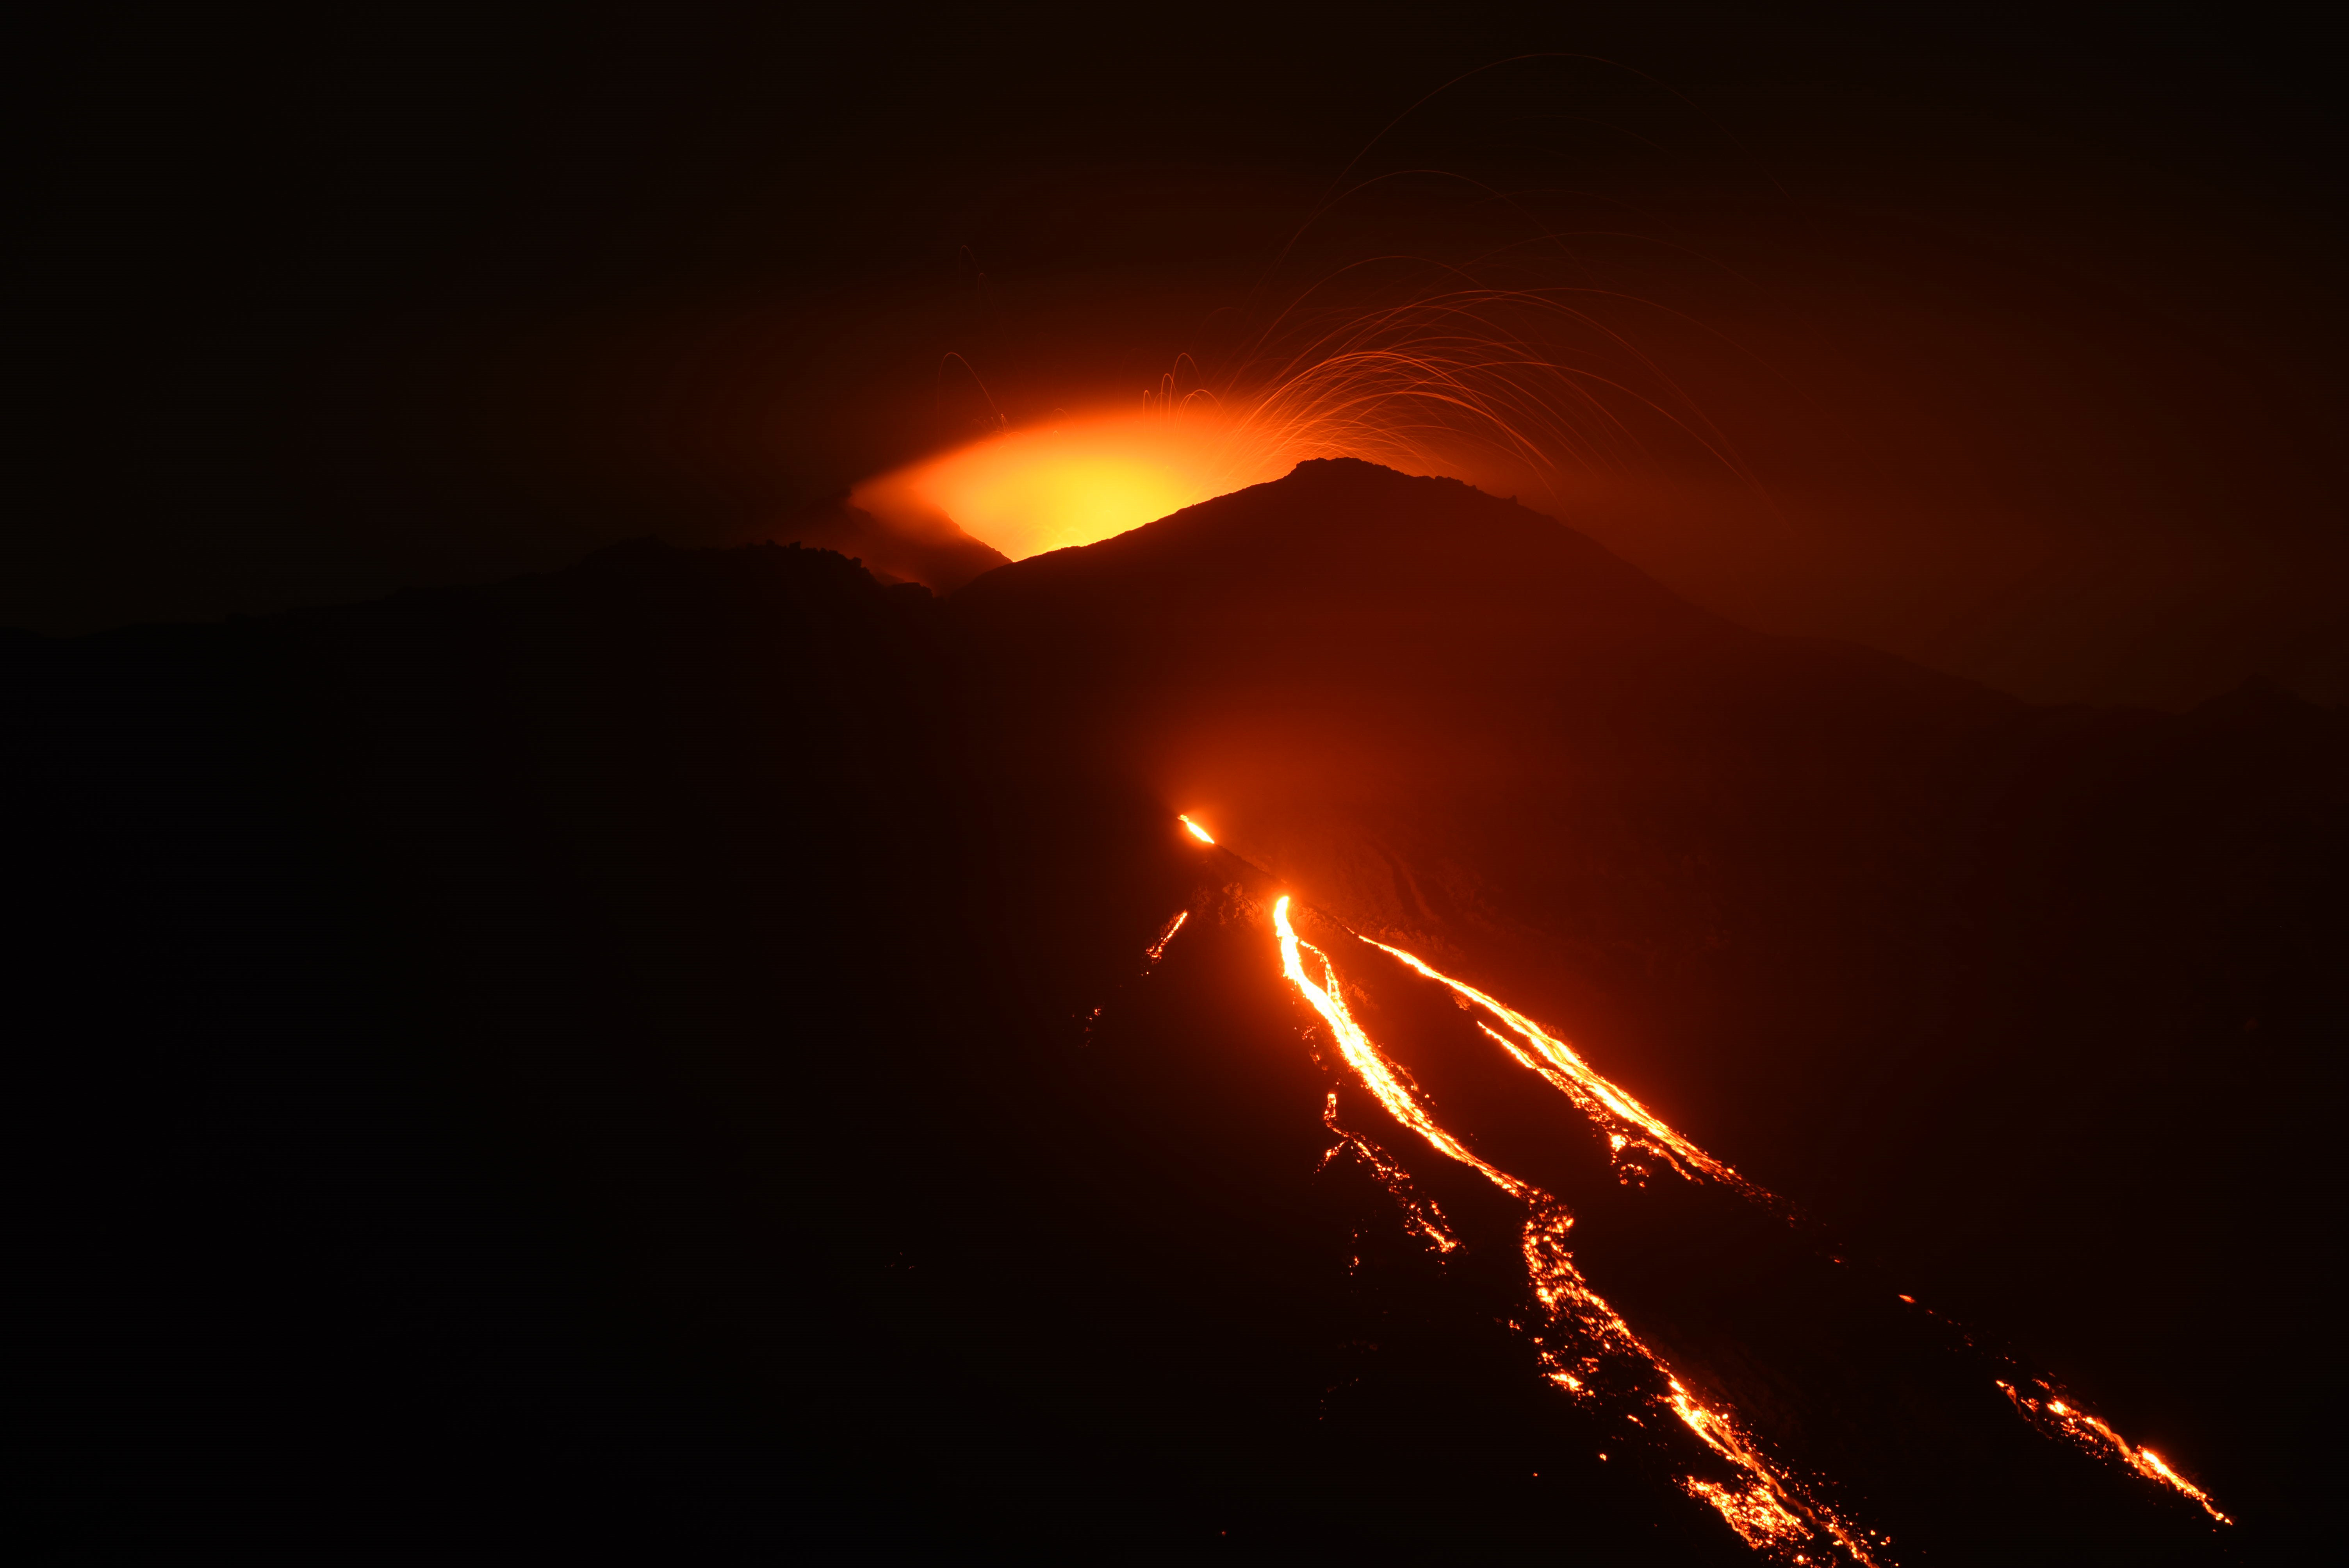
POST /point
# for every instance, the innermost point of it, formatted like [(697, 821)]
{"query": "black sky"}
[(320, 308)]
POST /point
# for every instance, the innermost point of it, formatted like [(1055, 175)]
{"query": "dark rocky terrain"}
[(932, 551), (610, 1061)]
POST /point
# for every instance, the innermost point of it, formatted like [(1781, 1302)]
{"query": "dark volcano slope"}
[(598, 1063), (932, 551), (2039, 1008), (611, 1060)]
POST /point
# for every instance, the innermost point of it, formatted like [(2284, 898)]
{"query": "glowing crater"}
[(1074, 482)]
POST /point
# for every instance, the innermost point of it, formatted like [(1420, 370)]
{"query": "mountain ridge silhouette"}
[(614, 1055)]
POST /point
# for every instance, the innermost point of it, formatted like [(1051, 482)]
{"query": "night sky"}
[(2028, 328)]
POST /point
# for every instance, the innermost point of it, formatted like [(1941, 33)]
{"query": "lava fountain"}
[(1482, 383)]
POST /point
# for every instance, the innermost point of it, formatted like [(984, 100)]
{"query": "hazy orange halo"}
[(1078, 481)]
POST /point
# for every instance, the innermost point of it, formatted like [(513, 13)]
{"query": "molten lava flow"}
[(1758, 1514), (1557, 1063), (1766, 1509), (1566, 1072), (1380, 1076), (1754, 1513), (1158, 949), (1425, 1217), (2098, 1437)]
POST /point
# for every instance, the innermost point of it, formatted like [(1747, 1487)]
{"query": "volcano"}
[(707, 1051)]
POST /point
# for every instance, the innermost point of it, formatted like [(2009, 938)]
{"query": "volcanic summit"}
[(706, 1041)]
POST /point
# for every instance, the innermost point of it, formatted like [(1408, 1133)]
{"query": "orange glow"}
[(1766, 1509), (1453, 377), (1077, 481), (1197, 832)]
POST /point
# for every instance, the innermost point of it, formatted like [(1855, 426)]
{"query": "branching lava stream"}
[(1558, 1064), (1773, 1509), (1768, 1508)]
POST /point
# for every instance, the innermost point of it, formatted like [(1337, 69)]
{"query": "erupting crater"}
[(1076, 481)]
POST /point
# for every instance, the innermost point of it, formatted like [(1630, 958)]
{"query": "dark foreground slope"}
[(930, 550), (608, 1061), (591, 1065), (2040, 1008)]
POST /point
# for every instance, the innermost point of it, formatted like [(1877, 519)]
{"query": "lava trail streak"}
[(2051, 1412), (1157, 950), (1564, 1071), (1768, 1509), (1541, 1052), (1763, 1505)]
